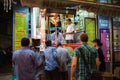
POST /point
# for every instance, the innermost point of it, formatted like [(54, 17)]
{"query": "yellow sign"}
[(20, 29)]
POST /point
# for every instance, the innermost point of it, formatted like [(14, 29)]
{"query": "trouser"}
[(52, 75), (64, 75), (69, 41)]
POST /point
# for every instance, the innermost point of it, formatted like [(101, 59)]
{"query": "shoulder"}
[(60, 34), (30, 52), (16, 52)]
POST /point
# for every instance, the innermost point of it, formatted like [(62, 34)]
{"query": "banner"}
[(105, 39), (20, 28), (90, 29)]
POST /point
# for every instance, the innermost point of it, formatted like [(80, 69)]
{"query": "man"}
[(25, 62), (70, 32), (64, 58), (78, 70), (57, 37), (52, 61)]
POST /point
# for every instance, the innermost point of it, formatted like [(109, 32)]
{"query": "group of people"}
[(57, 36), (29, 63), (54, 61)]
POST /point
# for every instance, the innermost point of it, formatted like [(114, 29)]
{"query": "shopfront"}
[(38, 25)]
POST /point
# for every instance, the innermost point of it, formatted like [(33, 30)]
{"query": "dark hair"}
[(48, 43), (57, 29), (59, 44), (69, 19), (84, 37), (98, 42), (25, 42)]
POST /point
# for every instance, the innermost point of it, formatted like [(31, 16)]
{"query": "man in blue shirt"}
[(53, 64), (25, 62)]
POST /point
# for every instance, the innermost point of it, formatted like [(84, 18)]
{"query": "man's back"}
[(50, 58), (90, 55), (24, 64), (64, 57)]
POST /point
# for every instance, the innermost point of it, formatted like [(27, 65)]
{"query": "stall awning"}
[(48, 3), (98, 8)]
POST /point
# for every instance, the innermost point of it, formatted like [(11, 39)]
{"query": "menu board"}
[(90, 29), (20, 28)]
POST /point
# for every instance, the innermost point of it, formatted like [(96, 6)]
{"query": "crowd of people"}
[(52, 64)]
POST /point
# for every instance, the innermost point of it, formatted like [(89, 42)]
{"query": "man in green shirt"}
[(78, 70)]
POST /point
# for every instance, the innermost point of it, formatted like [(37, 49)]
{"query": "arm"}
[(97, 63), (56, 56), (62, 38), (53, 38), (70, 32), (59, 63), (73, 68), (97, 60)]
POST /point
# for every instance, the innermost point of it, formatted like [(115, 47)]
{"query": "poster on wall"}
[(103, 1), (103, 22), (20, 28), (116, 40), (90, 29), (105, 39)]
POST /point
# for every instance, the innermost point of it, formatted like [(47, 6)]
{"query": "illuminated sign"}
[(103, 22)]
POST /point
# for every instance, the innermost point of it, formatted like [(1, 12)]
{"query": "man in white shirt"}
[(69, 32), (57, 37)]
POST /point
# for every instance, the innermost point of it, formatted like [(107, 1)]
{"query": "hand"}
[(64, 34), (60, 68), (73, 78)]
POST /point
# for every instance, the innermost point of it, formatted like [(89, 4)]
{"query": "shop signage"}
[(90, 29), (20, 28), (105, 39), (103, 22), (103, 1)]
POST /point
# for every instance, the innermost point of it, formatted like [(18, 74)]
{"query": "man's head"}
[(59, 44), (25, 42), (48, 43), (68, 21), (57, 30), (84, 38)]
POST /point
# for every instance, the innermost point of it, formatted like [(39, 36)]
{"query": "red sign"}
[(69, 47)]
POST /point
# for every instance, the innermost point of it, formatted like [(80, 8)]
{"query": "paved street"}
[(6, 77)]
